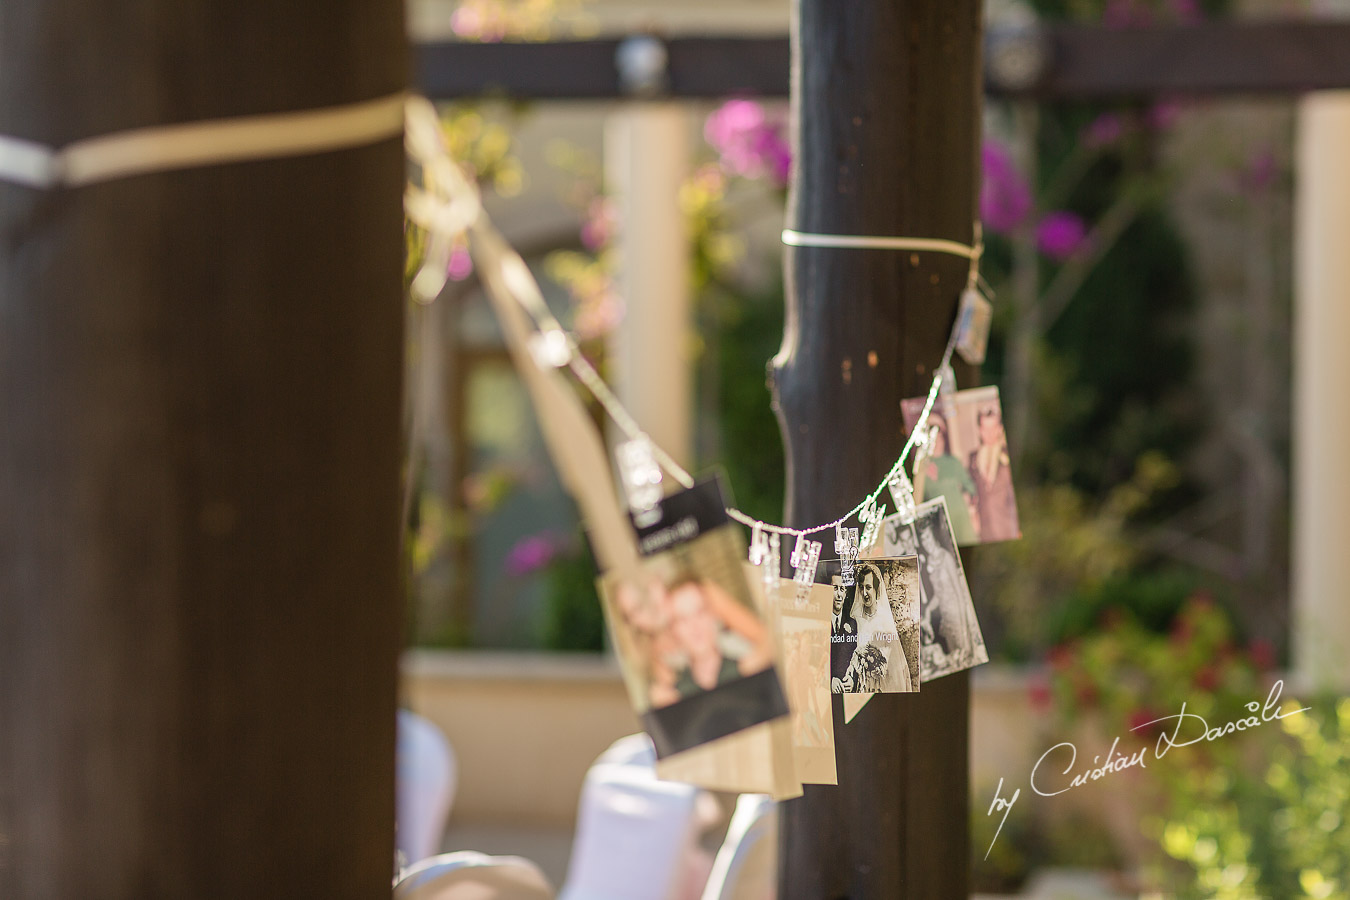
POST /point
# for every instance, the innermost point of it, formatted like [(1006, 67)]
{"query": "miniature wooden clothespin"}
[(846, 545), (805, 560), (641, 477)]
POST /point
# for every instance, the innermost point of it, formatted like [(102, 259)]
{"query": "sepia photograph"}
[(950, 631), (874, 636), (805, 636), (967, 464)]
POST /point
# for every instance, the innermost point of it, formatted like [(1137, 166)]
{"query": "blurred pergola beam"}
[(1081, 62)]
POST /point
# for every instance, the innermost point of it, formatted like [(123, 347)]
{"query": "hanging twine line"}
[(972, 252), (190, 145), (447, 196)]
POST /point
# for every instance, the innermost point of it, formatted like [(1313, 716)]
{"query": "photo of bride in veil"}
[(874, 641)]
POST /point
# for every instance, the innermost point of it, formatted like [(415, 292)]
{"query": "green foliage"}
[(571, 618), (1025, 842), (750, 441), (1256, 813), (1076, 557)]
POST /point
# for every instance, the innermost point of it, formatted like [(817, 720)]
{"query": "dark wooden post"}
[(200, 372), (886, 102)]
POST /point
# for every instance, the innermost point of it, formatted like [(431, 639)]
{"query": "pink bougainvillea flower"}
[(1187, 12), (460, 264), (1163, 115), (1261, 172), (598, 228), (598, 315), (1060, 235), (1104, 130), (749, 140), (530, 554), (1005, 198)]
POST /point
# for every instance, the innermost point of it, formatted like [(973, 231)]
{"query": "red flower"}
[(1201, 601), (1038, 693), (1059, 657), (1262, 653), (1207, 679), (1112, 618), (1140, 718), (1086, 694)]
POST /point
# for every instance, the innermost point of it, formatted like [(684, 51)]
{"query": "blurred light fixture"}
[(643, 65), (1016, 48)]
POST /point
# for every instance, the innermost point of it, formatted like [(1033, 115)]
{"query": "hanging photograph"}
[(949, 630), (804, 631), (968, 464), (696, 653), (874, 633)]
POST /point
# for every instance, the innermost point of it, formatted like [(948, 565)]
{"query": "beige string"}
[(451, 197), (190, 145)]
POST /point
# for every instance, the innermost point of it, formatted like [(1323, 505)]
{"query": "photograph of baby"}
[(968, 464), (696, 653), (949, 630), (874, 633)]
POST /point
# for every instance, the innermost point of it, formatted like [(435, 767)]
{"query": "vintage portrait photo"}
[(874, 635), (697, 654), (949, 630), (806, 663), (967, 464)]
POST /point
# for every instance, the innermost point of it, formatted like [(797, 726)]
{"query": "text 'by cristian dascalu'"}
[(1048, 779)]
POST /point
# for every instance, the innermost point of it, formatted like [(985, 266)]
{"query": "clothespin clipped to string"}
[(975, 312), (948, 386), (764, 553), (641, 477), (871, 516), (846, 545), (805, 560), (902, 492)]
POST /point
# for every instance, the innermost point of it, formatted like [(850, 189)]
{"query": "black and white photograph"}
[(968, 464), (697, 655), (874, 633), (949, 629)]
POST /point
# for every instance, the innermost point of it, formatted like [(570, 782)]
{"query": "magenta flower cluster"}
[(533, 553), (1006, 204), (750, 140), (1005, 196)]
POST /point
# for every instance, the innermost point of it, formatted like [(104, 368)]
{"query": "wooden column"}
[(1321, 490), (646, 162), (200, 371), (886, 101)]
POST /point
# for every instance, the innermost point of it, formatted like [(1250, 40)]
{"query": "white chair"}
[(635, 834), (425, 786), (467, 875), (633, 750), (746, 867)]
